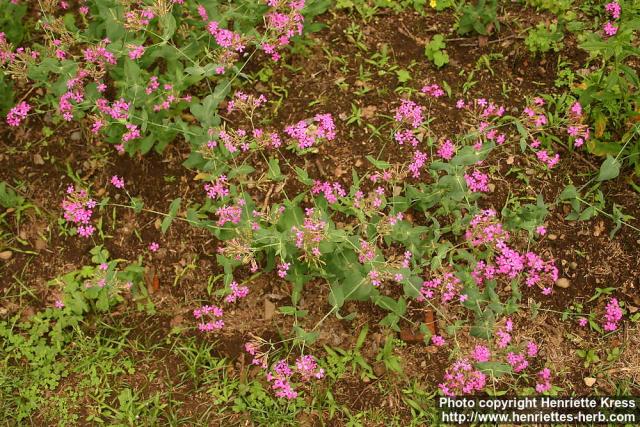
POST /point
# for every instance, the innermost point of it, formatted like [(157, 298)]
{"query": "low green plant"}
[(480, 18), (544, 38), (435, 51)]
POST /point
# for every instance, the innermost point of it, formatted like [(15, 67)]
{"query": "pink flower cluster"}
[(461, 378), (78, 209), (446, 284), (483, 108), (75, 93), (612, 316), (266, 139), (503, 335), (282, 23), (237, 292), (367, 252), (283, 268), (578, 131), (417, 163), (99, 55), (117, 181), (136, 52), (433, 90), (481, 353), (446, 150), (309, 236), (245, 103), (613, 9), (232, 45), (137, 19), (484, 229), (411, 114), (306, 133), (218, 189), (544, 157), (231, 214), (118, 110), (209, 317), (281, 375), (544, 383), (331, 191), (534, 114), (18, 113), (6, 53), (477, 181)]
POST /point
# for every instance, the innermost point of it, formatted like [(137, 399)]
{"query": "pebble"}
[(6, 255), (75, 136), (563, 282), (553, 236), (589, 381)]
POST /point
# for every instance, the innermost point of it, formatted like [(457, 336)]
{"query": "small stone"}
[(75, 136), (358, 163), (6, 255), (563, 282), (573, 265), (553, 236), (589, 381), (38, 160)]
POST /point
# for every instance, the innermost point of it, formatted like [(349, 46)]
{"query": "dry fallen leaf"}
[(269, 309)]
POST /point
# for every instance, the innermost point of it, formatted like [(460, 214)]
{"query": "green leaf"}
[(173, 211), (496, 369), (241, 170), (609, 169), (168, 24), (336, 297), (569, 193), (379, 164), (403, 76), (274, 173)]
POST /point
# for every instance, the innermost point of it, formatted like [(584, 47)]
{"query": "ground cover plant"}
[(290, 212)]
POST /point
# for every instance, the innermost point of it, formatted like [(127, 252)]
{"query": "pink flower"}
[(477, 181), (136, 52), (283, 268), (460, 379), (544, 383), (582, 321), (117, 182), (446, 150), (610, 29), (541, 230), (612, 316), (613, 9), (237, 293), (481, 353), (18, 113), (433, 90), (58, 304), (154, 246), (437, 340)]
